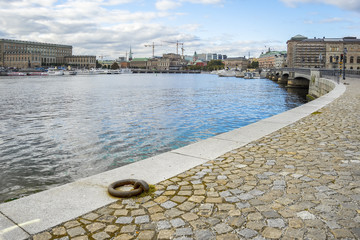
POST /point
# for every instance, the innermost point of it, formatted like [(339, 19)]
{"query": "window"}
[(358, 60), (351, 59), (331, 59)]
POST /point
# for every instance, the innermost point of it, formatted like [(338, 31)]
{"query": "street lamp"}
[(345, 51)]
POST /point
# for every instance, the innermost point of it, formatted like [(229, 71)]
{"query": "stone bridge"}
[(315, 80), (292, 78)]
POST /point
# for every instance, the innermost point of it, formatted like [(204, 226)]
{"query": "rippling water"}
[(54, 130)]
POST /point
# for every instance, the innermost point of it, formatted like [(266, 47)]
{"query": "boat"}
[(38, 74), (126, 71), (85, 72), (55, 72), (227, 73), (240, 75), (115, 71), (16, 74), (71, 72)]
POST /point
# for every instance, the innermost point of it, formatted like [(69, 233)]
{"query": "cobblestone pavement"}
[(301, 182)]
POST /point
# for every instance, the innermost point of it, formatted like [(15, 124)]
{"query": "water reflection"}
[(54, 130)]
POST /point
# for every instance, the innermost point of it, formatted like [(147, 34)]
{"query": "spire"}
[(130, 54)]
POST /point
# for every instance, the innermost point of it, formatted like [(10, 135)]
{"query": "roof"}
[(298, 37), (139, 59), (273, 53)]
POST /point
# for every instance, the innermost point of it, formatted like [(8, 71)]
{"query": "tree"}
[(215, 65), (115, 66), (98, 65), (254, 64)]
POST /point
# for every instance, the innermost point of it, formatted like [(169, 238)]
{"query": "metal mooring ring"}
[(139, 187)]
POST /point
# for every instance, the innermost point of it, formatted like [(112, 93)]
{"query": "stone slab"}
[(210, 148), (10, 231)]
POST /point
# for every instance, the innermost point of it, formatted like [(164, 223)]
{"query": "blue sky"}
[(231, 27)]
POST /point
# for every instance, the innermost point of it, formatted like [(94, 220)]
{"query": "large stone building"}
[(240, 63), (81, 61), (25, 54), (169, 61), (272, 59), (323, 52)]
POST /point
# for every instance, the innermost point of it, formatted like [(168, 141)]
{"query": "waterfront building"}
[(140, 63), (26, 54), (240, 63), (323, 52), (81, 61), (272, 59), (169, 61)]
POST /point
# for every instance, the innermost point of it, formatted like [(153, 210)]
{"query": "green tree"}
[(115, 66), (98, 65), (254, 64), (215, 65)]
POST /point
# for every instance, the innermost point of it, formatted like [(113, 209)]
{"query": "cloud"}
[(332, 20), (165, 5), (351, 5)]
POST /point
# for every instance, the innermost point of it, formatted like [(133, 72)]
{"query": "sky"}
[(235, 28)]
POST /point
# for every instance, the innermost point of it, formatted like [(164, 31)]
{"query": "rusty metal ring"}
[(139, 187)]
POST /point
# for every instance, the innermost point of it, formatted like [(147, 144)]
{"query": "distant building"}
[(169, 61), (81, 61), (323, 52), (26, 54), (240, 63), (272, 59), (138, 63)]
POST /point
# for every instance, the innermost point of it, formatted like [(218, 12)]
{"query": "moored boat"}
[(16, 74), (55, 72), (70, 72)]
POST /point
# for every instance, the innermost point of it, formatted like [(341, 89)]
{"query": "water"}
[(54, 130)]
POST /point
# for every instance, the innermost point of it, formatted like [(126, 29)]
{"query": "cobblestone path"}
[(301, 182)]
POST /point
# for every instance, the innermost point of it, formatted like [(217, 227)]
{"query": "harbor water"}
[(54, 130)]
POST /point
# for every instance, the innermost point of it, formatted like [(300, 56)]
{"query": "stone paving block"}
[(177, 222), (247, 233), (183, 232), (222, 228), (124, 220), (76, 231), (142, 219)]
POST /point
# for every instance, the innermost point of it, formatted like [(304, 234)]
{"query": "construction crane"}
[(153, 48), (177, 46)]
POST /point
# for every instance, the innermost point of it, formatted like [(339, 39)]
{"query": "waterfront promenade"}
[(301, 181)]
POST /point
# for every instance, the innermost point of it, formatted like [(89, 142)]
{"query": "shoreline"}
[(56, 208)]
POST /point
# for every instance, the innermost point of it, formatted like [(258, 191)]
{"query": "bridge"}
[(312, 79)]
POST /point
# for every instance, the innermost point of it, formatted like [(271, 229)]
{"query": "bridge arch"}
[(299, 82)]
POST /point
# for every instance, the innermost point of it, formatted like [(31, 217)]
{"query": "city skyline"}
[(236, 28)]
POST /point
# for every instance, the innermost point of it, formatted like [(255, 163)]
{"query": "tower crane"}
[(177, 46), (153, 48)]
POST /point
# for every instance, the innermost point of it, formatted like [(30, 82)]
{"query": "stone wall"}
[(319, 86)]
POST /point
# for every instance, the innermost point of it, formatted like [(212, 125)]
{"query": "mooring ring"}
[(139, 187)]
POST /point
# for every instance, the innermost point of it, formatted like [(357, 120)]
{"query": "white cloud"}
[(352, 5), (332, 20), (164, 5)]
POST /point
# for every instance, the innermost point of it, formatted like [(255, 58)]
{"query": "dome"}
[(298, 37)]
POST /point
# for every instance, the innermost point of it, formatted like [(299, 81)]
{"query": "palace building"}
[(323, 52), (26, 54)]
